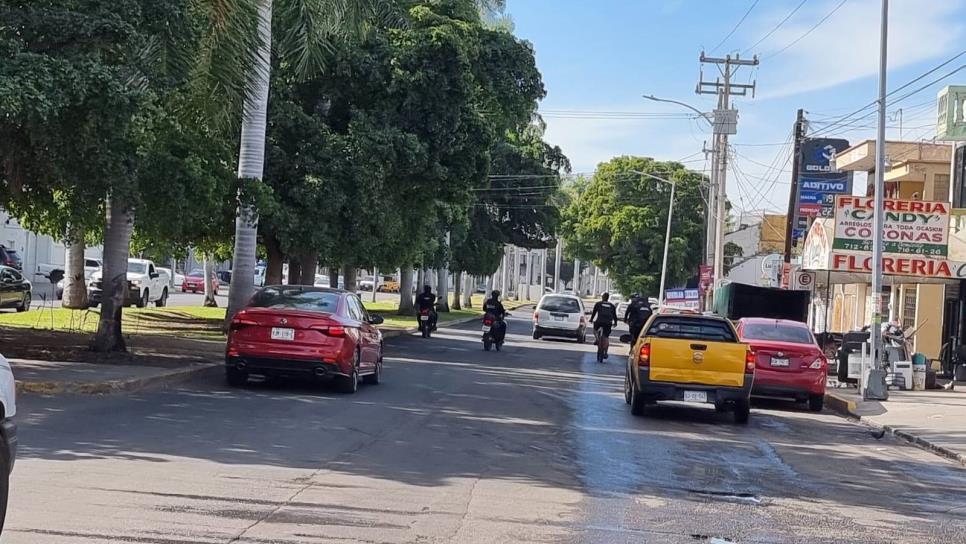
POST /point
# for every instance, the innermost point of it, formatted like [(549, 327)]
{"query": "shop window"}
[(909, 297)]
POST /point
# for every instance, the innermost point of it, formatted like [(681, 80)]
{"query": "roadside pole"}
[(799, 135), (876, 330), (375, 282), (558, 260), (577, 277)]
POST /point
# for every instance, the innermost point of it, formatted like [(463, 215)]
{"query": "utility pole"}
[(725, 124), (799, 134), (503, 273), (577, 277), (875, 332), (558, 260)]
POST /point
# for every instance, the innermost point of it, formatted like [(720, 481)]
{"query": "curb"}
[(848, 409), (115, 386)]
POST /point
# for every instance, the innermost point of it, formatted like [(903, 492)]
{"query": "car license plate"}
[(775, 361), (424, 318), (283, 334), (558, 318), (695, 396)]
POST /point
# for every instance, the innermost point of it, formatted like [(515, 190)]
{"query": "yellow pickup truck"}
[(691, 358)]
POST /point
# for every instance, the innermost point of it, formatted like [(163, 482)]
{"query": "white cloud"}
[(846, 47)]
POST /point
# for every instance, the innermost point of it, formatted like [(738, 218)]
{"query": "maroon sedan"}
[(788, 361), (312, 332), (195, 282)]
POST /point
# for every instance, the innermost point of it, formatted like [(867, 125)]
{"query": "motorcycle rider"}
[(493, 306), (637, 313), (604, 316), (426, 301)]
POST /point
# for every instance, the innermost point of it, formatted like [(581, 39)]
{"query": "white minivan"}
[(560, 316)]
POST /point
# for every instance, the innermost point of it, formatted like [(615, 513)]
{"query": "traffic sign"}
[(803, 280)]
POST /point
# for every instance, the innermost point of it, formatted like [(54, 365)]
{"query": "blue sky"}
[(602, 55)]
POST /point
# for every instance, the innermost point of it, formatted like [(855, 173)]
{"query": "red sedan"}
[(788, 361), (195, 282), (305, 332)]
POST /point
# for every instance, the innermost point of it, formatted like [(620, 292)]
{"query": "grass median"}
[(195, 322)]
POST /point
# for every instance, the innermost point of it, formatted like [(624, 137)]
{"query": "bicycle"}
[(603, 342)]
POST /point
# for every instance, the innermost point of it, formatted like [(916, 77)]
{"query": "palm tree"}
[(307, 29)]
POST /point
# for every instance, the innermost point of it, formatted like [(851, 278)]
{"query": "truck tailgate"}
[(697, 361)]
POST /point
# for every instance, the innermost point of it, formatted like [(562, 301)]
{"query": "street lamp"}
[(667, 235), (701, 114)]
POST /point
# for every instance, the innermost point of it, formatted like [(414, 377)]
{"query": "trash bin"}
[(919, 372)]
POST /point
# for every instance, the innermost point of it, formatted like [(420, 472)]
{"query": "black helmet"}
[(495, 293), (605, 296), (635, 295), (427, 289)]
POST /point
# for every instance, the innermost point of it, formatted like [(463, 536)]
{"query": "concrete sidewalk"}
[(934, 420)]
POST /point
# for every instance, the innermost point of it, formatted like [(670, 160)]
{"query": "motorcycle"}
[(425, 323), (491, 333)]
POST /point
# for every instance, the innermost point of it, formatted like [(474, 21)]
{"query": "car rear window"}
[(692, 328), (294, 298), (560, 304), (776, 332)]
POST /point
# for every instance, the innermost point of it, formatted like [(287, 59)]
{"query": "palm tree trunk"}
[(294, 270), (457, 289), (117, 246), (334, 277), (75, 288), (251, 165), (309, 264), (406, 291), (350, 272), (209, 267), (468, 285)]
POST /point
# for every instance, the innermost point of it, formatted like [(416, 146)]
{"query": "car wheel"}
[(742, 411), (235, 377), (627, 386), (816, 403), (376, 377), (163, 301), (25, 303), (143, 301), (637, 401), (536, 335), (350, 384), (4, 484), (582, 336)]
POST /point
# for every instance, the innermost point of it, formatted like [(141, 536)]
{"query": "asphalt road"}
[(531, 444)]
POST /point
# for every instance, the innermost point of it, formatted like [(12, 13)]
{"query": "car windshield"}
[(295, 298), (560, 304), (692, 328), (197, 273), (775, 332), (137, 268)]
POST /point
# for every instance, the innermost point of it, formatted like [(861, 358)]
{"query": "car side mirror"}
[(625, 338), (154, 275), (376, 319)]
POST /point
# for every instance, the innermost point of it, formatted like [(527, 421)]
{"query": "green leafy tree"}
[(618, 222)]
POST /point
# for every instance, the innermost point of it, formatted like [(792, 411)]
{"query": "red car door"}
[(368, 334)]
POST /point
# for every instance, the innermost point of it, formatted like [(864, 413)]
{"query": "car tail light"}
[(241, 323), (336, 331), (644, 357), (583, 320), (749, 361), (536, 316), (818, 363)]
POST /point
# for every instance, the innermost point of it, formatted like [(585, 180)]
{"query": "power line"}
[(743, 17), (775, 29), (807, 32)]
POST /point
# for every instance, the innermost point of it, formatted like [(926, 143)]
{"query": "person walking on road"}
[(604, 317)]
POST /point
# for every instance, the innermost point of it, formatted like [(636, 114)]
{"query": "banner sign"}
[(911, 227), (818, 185), (915, 266), (688, 299)]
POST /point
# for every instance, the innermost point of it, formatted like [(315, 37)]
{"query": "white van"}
[(560, 316)]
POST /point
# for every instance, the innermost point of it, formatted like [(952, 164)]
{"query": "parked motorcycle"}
[(493, 334), (425, 322)]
